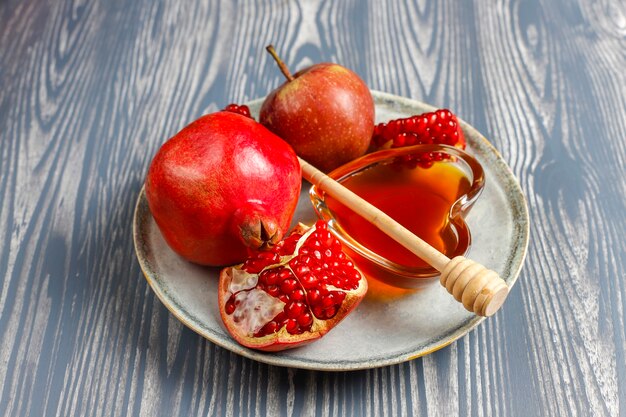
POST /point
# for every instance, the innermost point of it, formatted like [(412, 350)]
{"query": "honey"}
[(419, 198)]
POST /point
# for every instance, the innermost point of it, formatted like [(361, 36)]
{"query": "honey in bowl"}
[(416, 197), (428, 199)]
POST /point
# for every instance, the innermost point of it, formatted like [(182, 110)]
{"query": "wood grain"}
[(88, 92)]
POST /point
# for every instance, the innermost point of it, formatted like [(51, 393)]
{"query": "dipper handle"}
[(481, 290)]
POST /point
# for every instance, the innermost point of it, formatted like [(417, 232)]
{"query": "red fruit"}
[(325, 111), (220, 185), (439, 127), (294, 309)]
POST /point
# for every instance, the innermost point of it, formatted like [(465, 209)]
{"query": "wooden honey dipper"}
[(481, 290)]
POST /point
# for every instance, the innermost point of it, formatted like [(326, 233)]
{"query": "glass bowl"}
[(419, 157)]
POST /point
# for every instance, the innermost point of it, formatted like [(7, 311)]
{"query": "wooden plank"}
[(89, 91)]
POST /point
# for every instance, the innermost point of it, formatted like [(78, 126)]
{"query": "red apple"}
[(325, 112)]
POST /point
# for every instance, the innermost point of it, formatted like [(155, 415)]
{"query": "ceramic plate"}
[(383, 330)]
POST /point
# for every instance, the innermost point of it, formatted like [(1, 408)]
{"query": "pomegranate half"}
[(221, 185), (292, 294)]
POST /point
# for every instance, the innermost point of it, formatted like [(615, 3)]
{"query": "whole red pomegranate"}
[(292, 294), (220, 185)]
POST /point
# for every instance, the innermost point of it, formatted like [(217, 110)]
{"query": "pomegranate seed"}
[(230, 305), (324, 276), (288, 285), (305, 319), (271, 277), (292, 326), (328, 300), (239, 109), (327, 239), (263, 278), (321, 225), (440, 127), (313, 296), (289, 245), (297, 295), (260, 260), (330, 312), (269, 328), (301, 270), (309, 281), (273, 290), (294, 309), (318, 312)]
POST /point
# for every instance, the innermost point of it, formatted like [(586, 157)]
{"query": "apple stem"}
[(281, 64)]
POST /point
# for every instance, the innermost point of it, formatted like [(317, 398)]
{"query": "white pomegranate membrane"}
[(305, 284)]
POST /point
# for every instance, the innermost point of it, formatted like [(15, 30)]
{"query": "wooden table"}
[(90, 89)]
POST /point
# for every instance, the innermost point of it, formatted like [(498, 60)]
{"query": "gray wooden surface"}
[(90, 89)]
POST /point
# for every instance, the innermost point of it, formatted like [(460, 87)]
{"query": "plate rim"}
[(275, 359)]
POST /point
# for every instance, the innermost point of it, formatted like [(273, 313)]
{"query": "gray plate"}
[(380, 331)]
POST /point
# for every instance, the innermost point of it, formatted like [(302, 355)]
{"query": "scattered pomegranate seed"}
[(241, 109), (438, 127)]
